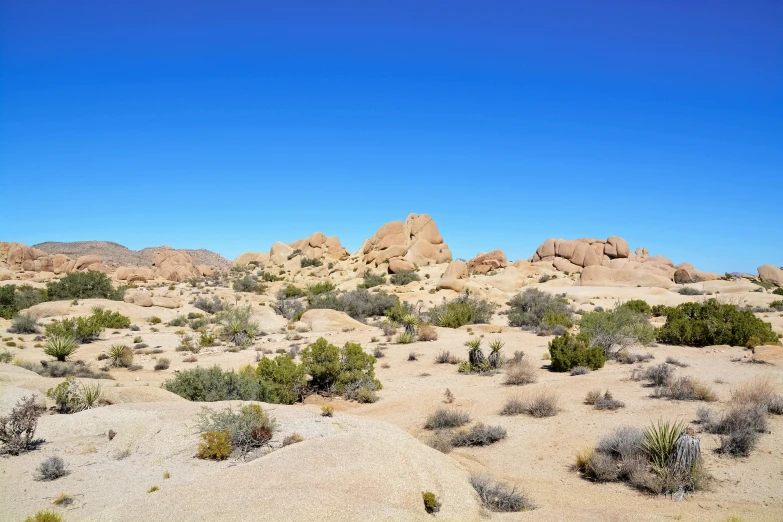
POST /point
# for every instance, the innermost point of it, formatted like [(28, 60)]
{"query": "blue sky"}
[(231, 125)]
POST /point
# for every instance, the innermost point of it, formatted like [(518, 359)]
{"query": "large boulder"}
[(771, 274), (685, 273), (400, 265), (139, 297), (174, 265), (598, 275), (279, 253), (326, 320), (251, 257), (134, 274), (417, 240), (320, 246), (485, 262), (454, 276)]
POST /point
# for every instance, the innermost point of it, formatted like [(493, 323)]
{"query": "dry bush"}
[(427, 332), (18, 429), (686, 389), (580, 370), (608, 402), (443, 418), (513, 406), (51, 469), (441, 441), (761, 392), (543, 403), (520, 373), (479, 435), (593, 396), (676, 362), (498, 496), (292, 439), (445, 357)]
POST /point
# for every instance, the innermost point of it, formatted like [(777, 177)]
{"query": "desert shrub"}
[(592, 397), (70, 396), (23, 324), (441, 441), (389, 327), (689, 290), (520, 373), (63, 369), (478, 435), (686, 389), (444, 419), (778, 291), (404, 338), (426, 332), (305, 262), (370, 280), (608, 402), (120, 356), (616, 329), (60, 346), (431, 502), (215, 445), (288, 307), (248, 428), (162, 364), (83, 285), (712, 323), (108, 319), (320, 288), (739, 427), (359, 304), (543, 403), (365, 395), (404, 277), (281, 380), (178, 321), (580, 370), (626, 357), (638, 305), (498, 496), (777, 304), (45, 516), (210, 306), (18, 428), (6, 357), (461, 311), (79, 329), (513, 406), (327, 410), (270, 277), (659, 375), (338, 369), (533, 309), (292, 439), (248, 283), (8, 308), (568, 351), (445, 357), (51, 469), (290, 291), (213, 384), (237, 327)]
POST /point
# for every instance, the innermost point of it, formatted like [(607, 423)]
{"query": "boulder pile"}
[(404, 246), (316, 246), (18, 257)]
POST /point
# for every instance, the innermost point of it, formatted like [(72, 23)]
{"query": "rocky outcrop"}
[(133, 274), (331, 321), (685, 273), (19, 257), (583, 252), (257, 258), (771, 274), (174, 265), (454, 276), (320, 246), (485, 262), (417, 241), (597, 275)]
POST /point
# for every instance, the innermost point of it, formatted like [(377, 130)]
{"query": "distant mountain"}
[(114, 254)]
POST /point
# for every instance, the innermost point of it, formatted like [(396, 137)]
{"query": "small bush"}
[(686, 389), (60, 347), (592, 397), (659, 375), (178, 321), (45, 516), (305, 262), (427, 332), (543, 403), (248, 428), (404, 338), (441, 441), (443, 419), (162, 364), (445, 357), (51, 469), (327, 410), (676, 362), (71, 397), (237, 326), (478, 435), (23, 324), (320, 288), (498, 496), (18, 428), (520, 373), (689, 290), (247, 283), (568, 351), (404, 277), (514, 406), (639, 306), (293, 438), (431, 502), (617, 329), (120, 356), (580, 370), (210, 306), (289, 307), (359, 304), (607, 402), (213, 384), (215, 445), (83, 285), (370, 280), (461, 311), (536, 309)]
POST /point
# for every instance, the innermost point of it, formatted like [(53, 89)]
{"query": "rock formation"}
[(771, 274), (485, 262), (19, 257), (454, 276), (176, 265), (316, 246), (416, 241)]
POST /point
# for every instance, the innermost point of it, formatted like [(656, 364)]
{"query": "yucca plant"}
[(60, 346), (409, 322), (120, 356), (495, 359), (90, 395), (475, 353), (660, 442)]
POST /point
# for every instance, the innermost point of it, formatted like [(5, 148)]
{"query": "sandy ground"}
[(537, 455)]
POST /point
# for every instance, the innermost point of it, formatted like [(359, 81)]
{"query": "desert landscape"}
[(590, 381)]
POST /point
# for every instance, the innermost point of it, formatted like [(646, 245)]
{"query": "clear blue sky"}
[(231, 125)]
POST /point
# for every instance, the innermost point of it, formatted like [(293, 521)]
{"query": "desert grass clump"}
[(17, 430), (60, 347), (498, 496), (162, 364), (431, 502), (478, 435), (520, 373), (293, 438), (443, 418), (23, 324), (215, 445), (580, 370), (686, 389), (689, 290), (446, 357), (676, 362), (608, 402), (327, 410), (659, 375), (51, 469), (514, 406), (543, 403), (426, 332), (592, 397), (45, 516), (626, 357), (71, 397), (441, 441), (404, 338)]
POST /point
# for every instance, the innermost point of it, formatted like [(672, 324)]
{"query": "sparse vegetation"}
[(404, 277), (17, 430), (45, 516), (689, 290), (568, 351), (120, 356), (71, 397), (51, 468), (461, 311), (520, 373), (370, 280), (83, 285), (431, 502), (499, 496), (445, 419), (23, 324), (215, 445), (359, 304), (210, 306), (248, 428), (534, 309), (60, 347), (617, 329)]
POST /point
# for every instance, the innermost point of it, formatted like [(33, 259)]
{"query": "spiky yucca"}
[(495, 359), (120, 356), (60, 346), (660, 441), (409, 321), (475, 353)]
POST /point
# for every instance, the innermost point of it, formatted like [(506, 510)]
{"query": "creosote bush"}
[(83, 285), (568, 351)]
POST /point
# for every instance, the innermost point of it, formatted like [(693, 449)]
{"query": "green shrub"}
[(60, 346), (404, 277), (248, 283), (210, 306), (120, 356), (87, 329), (533, 309), (431, 502), (370, 280), (712, 323), (616, 329), (568, 351), (306, 262), (45, 516), (14, 298), (213, 384), (71, 396), (237, 326), (461, 311), (320, 288), (270, 277), (281, 380), (178, 321), (215, 445), (23, 324), (107, 319), (359, 304), (339, 369), (777, 304), (478, 435), (291, 291), (83, 285), (778, 291), (638, 305)]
